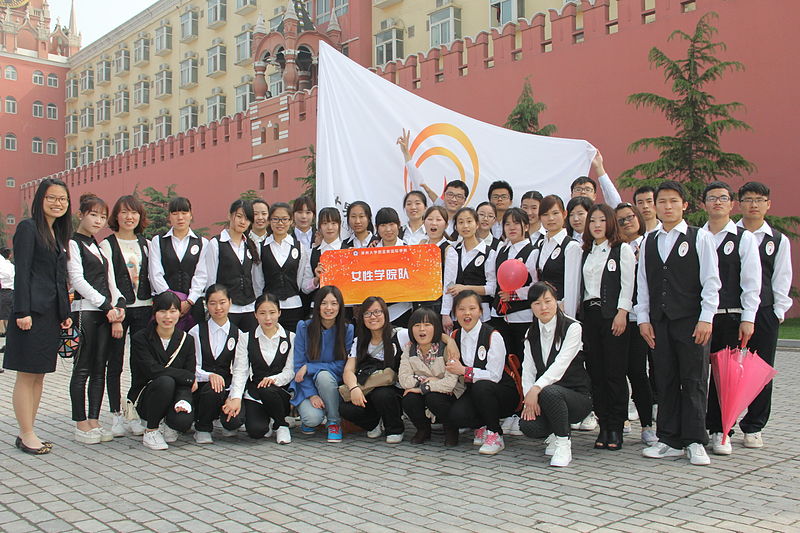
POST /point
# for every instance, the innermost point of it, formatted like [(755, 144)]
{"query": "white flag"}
[(361, 116)]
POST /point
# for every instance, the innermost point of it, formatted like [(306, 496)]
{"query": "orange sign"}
[(395, 273)]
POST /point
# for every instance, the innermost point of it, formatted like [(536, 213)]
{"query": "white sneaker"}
[(649, 436), (292, 421), (511, 426), (717, 447), (479, 437), (394, 439), (659, 450), (575, 427), (589, 423), (697, 454), (105, 434), (550, 441), (753, 440), (118, 428), (170, 435), (375, 432), (87, 437), (154, 440), (229, 432), (562, 452), (492, 444), (633, 414), (137, 427), (626, 427), (282, 435), (203, 437)]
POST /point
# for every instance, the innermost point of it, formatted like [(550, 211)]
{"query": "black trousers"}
[(681, 372), (439, 404), (208, 406), (764, 342), (274, 405), (136, 319), (641, 391), (383, 403), (244, 321), (290, 317), (725, 334), (560, 407), (483, 404), (90, 365), (607, 363), (158, 401), (513, 334)]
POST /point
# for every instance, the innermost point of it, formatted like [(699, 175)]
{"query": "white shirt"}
[(217, 337), (304, 237), (572, 267), (258, 239), (132, 255), (497, 229), (781, 274), (526, 315), (91, 299), (281, 251), (411, 236), (310, 282), (358, 243), (709, 272), (156, 268), (451, 271), (209, 264), (403, 338), (610, 192), (495, 358), (593, 273), (635, 245), (6, 273), (269, 349), (750, 269), (569, 349), (396, 310)]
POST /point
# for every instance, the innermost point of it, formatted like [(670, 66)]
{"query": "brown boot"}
[(450, 436), (423, 433)]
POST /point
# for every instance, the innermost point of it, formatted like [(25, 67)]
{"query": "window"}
[(52, 147), (38, 109), (216, 13), (52, 112), (274, 22), (121, 142), (188, 73), (188, 117), (103, 148), (189, 26), (72, 88), (87, 118), (121, 102), (52, 80), (11, 220), (215, 107), (163, 40), (122, 62), (242, 4), (87, 155), (87, 80), (103, 71), (244, 95), (38, 77), (11, 73), (141, 93), (244, 42), (11, 105), (36, 145), (71, 160), (504, 11), (141, 135), (216, 60), (103, 113), (72, 124), (275, 83), (324, 9), (11, 182), (162, 126), (388, 46), (445, 26), (11, 142), (163, 83), (141, 51)]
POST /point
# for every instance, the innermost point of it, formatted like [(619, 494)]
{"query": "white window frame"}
[(103, 71), (122, 61), (52, 112), (275, 81), (52, 80), (37, 109), (87, 80), (11, 105), (323, 13), (122, 104), (501, 12), (11, 182), (162, 127), (217, 13), (73, 88), (141, 135), (103, 111), (217, 60), (189, 72), (163, 83), (87, 118), (38, 77), (388, 39), (72, 123), (244, 97), (141, 93), (10, 142), (242, 4), (141, 51), (11, 73), (37, 146), (51, 148), (244, 47), (215, 107), (189, 26), (188, 117), (103, 148), (71, 159), (121, 142), (446, 29), (11, 220), (163, 40), (86, 155)]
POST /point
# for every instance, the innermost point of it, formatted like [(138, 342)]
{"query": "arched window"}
[(36, 145), (11, 220), (275, 179), (10, 142), (11, 105), (52, 111), (261, 181), (52, 80), (11, 73), (38, 109), (52, 147), (38, 77)]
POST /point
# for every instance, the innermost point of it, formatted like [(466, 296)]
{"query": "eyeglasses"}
[(376, 313), (625, 220), (724, 199), (577, 215), (484, 216), (500, 197), (454, 196), (56, 199), (587, 190), (282, 220), (752, 201)]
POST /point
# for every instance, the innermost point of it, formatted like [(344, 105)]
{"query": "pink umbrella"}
[(740, 375)]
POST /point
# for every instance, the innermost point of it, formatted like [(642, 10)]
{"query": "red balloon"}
[(512, 275)]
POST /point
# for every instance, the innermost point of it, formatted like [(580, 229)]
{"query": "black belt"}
[(594, 302), (732, 311)]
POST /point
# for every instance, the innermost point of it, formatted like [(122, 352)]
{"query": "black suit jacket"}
[(148, 360), (40, 282)]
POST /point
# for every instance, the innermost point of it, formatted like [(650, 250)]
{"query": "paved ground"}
[(242, 485)]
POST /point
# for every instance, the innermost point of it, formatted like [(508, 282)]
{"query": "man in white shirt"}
[(643, 199), (586, 186)]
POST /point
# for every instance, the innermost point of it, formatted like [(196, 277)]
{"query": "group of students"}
[(237, 329)]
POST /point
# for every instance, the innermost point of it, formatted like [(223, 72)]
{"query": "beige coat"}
[(440, 379)]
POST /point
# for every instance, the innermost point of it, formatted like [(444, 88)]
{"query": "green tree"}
[(310, 179), (525, 115), (250, 194), (156, 205), (4, 236)]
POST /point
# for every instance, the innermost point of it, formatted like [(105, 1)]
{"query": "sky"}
[(95, 18)]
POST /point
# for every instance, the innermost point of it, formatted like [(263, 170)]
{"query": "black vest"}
[(259, 367), (123, 277), (482, 346), (222, 364), (513, 306), (674, 284), (575, 378), (178, 273), (371, 364), (95, 270), (537, 239), (281, 280), (768, 265), (553, 269), (475, 271), (610, 282), (730, 269), (235, 276)]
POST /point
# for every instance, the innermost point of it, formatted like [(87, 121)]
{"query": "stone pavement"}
[(359, 485)]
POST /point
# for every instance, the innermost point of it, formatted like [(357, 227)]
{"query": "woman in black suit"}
[(163, 374), (41, 304)]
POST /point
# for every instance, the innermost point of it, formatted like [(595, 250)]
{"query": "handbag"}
[(129, 409), (379, 378), (70, 340)]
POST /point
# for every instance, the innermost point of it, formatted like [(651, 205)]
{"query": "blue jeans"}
[(328, 389)]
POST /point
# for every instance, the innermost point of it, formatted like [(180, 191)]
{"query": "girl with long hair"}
[(559, 259), (359, 221), (259, 231)]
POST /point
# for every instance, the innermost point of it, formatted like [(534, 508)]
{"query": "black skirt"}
[(33, 351)]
